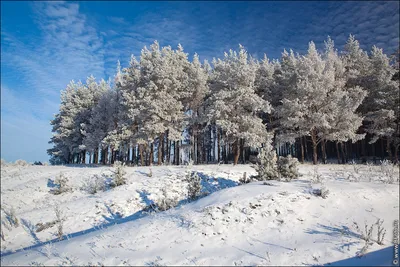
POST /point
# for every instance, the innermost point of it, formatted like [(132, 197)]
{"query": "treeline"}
[(164, 108)]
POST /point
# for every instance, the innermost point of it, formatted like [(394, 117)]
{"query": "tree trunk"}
[(163, 148), (396, 154), (302, 150), (343, 153), (160, 149), (151, 157), (219, 145), (141, 155), (168, 149), (96, 156), (338, 152), (315, 146), (306, 147), (176, 154), (236, 148), (242, 151), (389, 149), (106, 156), (323, 148), (199, 149)]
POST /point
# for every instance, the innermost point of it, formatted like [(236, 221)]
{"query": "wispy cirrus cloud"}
[(34, 71)]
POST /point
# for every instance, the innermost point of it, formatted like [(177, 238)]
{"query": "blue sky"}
[(44, 45)]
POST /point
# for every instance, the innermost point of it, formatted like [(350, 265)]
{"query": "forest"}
[(165, 109)]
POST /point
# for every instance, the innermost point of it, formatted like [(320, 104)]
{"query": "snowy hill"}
[(278, 223)]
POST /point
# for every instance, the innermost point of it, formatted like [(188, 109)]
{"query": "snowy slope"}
[(253, 224)]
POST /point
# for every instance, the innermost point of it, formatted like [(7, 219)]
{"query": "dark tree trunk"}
[(141, 155), (168, 149), (151, 157), (314, 144), (219, 145), (338, 152), (160, 146), (306, 147), (236, 148), (389, 149), (343, 153), (242, 151), (396, 154), (302, 150), (323, 148), (177, 152), (163, 148)]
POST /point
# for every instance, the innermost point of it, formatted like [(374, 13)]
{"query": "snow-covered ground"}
[(281, 223)]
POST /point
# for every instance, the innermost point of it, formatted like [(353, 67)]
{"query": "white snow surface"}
[(252, 224)]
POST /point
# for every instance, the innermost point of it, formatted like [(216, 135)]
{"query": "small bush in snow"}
[(317, 177), (267, 169), (367, 234), (11, 218), (244, 179), (356, 167), (43, 226), (288, 167), (20, 162), (94, 184), (119, 174), (381, 232), (194, 185), (389, 171), (60, 222), (166, 203), (321, 192), (62, 186)]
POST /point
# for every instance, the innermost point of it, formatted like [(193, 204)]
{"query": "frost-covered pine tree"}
[(342, 102), (383, 109), (267, 168), (234, 105), (306, 109)]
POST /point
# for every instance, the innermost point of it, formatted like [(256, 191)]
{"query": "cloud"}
[(37, 67)]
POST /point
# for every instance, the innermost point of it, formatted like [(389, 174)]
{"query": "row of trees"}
[(165, 108)]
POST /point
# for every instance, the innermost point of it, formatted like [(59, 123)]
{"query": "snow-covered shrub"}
[(388, 169), (43, 226), (61, 183), (60, 222), (11, 217), (94, 184), (321, 192), (21, 162), (356, 167), (267, 169), (194, 185), (288, 167), (165, 202), (317, 177), (244, 179), (381, 232), (119, 174)]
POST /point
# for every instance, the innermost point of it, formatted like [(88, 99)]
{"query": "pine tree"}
[(233, 105)]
